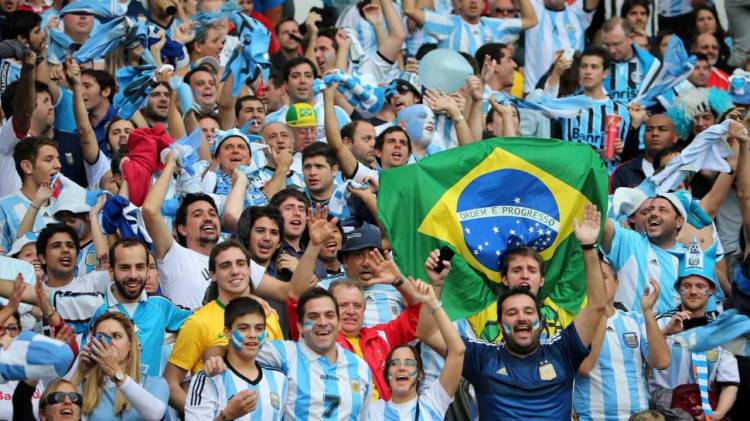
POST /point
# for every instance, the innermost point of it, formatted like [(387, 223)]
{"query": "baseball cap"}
[(366, 236), (20, 243), (301, 114), (409, 79)]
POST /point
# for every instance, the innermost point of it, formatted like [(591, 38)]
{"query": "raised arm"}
[(427, 330), (476, 116), (155, 225), (226, 104), (41, 198), (25, 100), (86, 135), (743, 185), (235, 201), (16, 291), (439, 102), (659, 356), (347, 161), (450, 377), (390, 47), (312, 36), (319, 230), (101, 247), (528, 14), (414, 13), (587, 234)]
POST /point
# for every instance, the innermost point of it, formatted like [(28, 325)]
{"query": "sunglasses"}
[(59, 397)]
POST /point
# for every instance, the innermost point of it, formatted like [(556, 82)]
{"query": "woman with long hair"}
[(404, 372), (109, 372), (706, 21), (60, 401)]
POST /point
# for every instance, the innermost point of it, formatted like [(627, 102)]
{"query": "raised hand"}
[(650, 296), (488, 68), (343, 40), (72, 72), (42, 299), (14, 299), (373, 14), (384, 271), (184, 33), (42, 195), (423, 292), (476, 88), (106, 356), (430, 265), (241, 404), (411, 65), (587, 232), (311, 22), (318, 226)]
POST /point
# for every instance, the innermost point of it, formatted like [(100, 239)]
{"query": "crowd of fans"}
[(189, 190)]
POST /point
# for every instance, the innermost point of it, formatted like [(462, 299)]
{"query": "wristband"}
[(588, 246), (223, 416), (437, 307), (459, 119), (35, 207), (398, 282)]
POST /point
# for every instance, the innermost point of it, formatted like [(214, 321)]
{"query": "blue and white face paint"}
[(419, 121), (237, 339)]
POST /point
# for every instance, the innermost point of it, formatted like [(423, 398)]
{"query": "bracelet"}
[(398, 282), (224, 416), (588, 246), (50, 315), (35, 207), (437, 307), (459, 119)]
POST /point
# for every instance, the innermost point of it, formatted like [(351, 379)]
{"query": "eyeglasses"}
[(59, 397), (409, 362), (11, 329)]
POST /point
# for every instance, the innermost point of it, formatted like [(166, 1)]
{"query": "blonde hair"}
[(51, 388), (93, 384)]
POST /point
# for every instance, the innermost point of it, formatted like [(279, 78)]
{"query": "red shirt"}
[(718, 79), (274, 45)]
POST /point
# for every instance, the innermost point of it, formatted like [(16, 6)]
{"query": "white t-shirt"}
[(77, 301), (95, 171), (184, 276)]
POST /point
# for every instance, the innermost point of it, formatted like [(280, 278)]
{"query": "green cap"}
[(301, 114)]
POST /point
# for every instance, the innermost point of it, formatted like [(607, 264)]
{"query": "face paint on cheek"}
[(262, 338), (508, 329), (308, 326), (237, 340), (535, 325), (413, 374)]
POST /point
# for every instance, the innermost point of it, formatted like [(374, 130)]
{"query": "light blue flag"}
[(59, 46), (102, 9), (731, 330), (186, 150), (32, 356), (136, 83), (365, 98), (105, 39), (676, 66), (204, 19), (565, 107), (251, 53), (10, 267)]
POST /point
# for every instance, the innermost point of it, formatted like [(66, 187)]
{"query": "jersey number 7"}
[(331, 403)]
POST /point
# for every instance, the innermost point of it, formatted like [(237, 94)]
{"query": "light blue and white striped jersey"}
[(432, 362), (445, 134), (383, 303), (590, 126), (207, 396), (86, 259), (331, 278), (616, 386), (453, 32), (430, 405), (672, 8), (626, 78), (320, 135), (636, 259), (34, 356), (12, 210), (722, 365), (414, 40), (556, 30), (350, 18), (294, 179), (319, 389)]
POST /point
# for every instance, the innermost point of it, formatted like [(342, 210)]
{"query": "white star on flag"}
[(517, 200), (531, 229), (468, 231), (495, 229), (512, 232)]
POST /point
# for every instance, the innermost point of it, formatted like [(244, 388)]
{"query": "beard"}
[(127, 294)]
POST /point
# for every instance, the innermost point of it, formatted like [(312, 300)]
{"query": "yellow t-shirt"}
[(204, 329), (354, 342), (485, 326)]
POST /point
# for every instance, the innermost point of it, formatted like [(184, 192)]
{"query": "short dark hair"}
[(239, 104), (242, 306), (283, 21), (495, 50), (417, 356), (125, 243), (381, 137), (20, 23), (296, 61), (222, 247), (251, 215), (600, 52), (512, 292), (276, 78), (349, 129), (117, 158), (10, 93), (522, 251), (198, 69), (627, 5), (180, 217), (320, 149), (49, 231), (28, 150), (700, 57), (104, 79), (285, 194), (311, 294)]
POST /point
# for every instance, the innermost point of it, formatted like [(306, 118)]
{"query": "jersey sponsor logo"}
[(589, 138), (547, 371), (275, 401), (329, 377), (630, 339)]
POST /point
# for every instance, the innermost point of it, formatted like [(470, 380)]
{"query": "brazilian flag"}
[(488, 197)]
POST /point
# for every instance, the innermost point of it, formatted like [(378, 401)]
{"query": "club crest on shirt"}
[(275, 401), (91, 259), (570, 28), (636, 77), (630, 339), (502, 371), (355, 386), (547, 371), (712, 355)]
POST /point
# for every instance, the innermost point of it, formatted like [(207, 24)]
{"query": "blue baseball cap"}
[(366, 236)]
